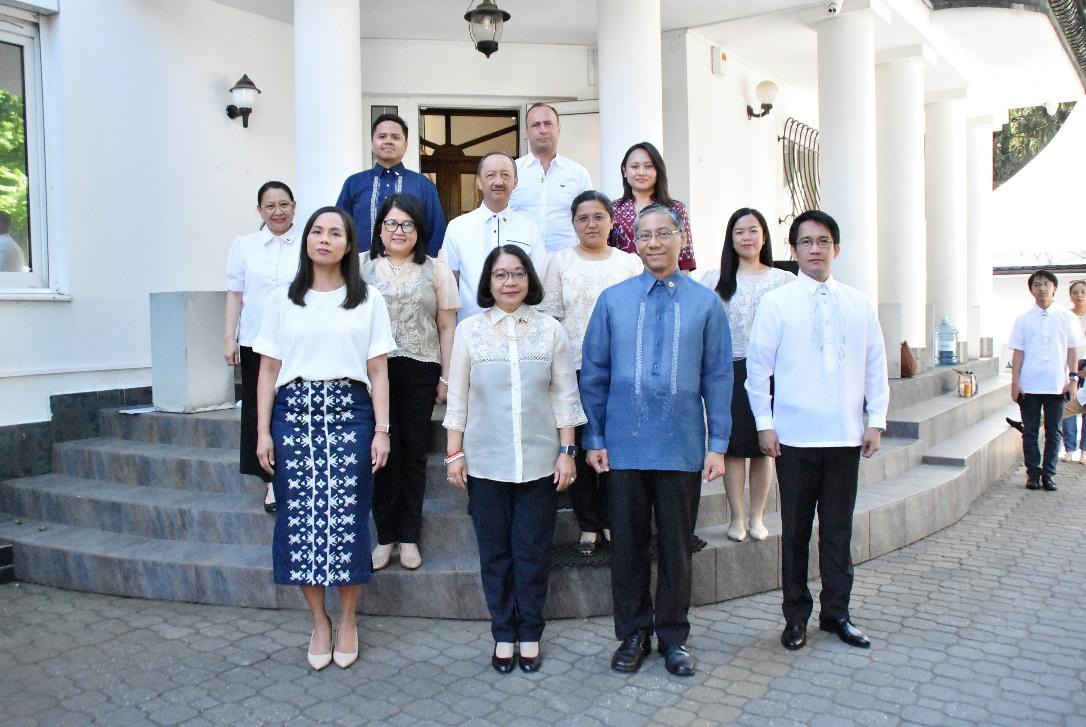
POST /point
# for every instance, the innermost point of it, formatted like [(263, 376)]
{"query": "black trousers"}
[(588, 493), (1032, 406), (821, 479), (635, 497), (250, 370), (400, 486), (514, 527)]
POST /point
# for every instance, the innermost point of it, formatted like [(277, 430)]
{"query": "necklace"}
[(521, 327)]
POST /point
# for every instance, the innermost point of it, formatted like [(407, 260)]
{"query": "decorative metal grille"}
[(799, 152)]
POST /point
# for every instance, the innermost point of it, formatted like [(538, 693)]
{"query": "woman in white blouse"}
[(258, 263), (513, 405), (575, 278), (746, 273), (422, 300), (322, 427)]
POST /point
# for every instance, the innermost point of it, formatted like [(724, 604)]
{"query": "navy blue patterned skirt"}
[(323, 485)]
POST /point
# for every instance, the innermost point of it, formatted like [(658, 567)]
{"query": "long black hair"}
[(349, 266), (412, 206), (659, 193), (729, 258)]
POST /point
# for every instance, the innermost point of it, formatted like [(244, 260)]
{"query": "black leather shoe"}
[(631, 652), (269, 507), (845, 631), (502, 666), (529, 664), (586, 549), (1015, 424), (677, 660), (794, 636), (1048, 484), (1033, 482)]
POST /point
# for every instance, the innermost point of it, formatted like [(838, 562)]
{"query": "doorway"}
[(451, 142)]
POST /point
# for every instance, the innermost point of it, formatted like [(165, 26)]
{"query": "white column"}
[(330, 135), (631, 86), (901, 249), (945, 203), (846, 120), (978, 291)]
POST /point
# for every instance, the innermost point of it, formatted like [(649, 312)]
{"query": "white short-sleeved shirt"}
[(546, 197), (470, 238), (1044, 335), (322, 341), (259, 263)]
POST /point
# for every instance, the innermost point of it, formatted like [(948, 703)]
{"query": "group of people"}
[(574, 351)]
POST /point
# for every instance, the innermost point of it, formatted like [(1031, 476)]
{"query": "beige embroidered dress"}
[(414, 292)]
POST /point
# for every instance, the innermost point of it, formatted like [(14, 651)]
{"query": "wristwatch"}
[(1073, 377), (568, 449)]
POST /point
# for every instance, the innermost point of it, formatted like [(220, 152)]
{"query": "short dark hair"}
[(1046, 274), (1069, 290), (349, 266), (540, 104), (412, 206), (485, 298), (591, 195), (484, 157), (814, 216), (729, 258), (660, 209), (659, 192), (388, 117), (272, 184)]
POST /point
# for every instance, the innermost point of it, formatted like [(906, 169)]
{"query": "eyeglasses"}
[(599, 218), (280, 207), (662, 235), (820, 244), (407, 226), (500, 276)]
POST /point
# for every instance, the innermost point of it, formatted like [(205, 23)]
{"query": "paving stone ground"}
[(982, 623)]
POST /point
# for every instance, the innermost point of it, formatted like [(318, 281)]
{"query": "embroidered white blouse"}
[(414, 294), (749, 290), (512, 385), (572, 285)]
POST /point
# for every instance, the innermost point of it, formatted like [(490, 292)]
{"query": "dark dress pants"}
[(250, 371), (588, 493), (1032, 406), (400, 486), (821, 479), (514, 527), (635, 497)]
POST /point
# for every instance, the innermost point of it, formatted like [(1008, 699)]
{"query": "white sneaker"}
[(381, 555)]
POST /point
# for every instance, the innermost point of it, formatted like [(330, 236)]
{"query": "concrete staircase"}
[(155, 508)]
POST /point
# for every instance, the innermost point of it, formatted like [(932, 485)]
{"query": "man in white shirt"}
[(821, 341), (469, 238), (548, 181), (1045, 342)]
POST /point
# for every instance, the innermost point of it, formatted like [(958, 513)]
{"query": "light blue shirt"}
[(656, 369)]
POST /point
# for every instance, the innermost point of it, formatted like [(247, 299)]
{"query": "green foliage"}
[(1022, 138), (13, 180)]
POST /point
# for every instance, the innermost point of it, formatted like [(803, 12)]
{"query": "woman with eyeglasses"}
[(1074, 435), (644, 182), (513, 406), (258, 263), (422, 300), (575, 278), (746, 273), (322, 426)]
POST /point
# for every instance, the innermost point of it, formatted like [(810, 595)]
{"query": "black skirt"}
[(250, 370), (744, 439)]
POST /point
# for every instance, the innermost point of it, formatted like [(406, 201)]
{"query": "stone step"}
[(934, 420), (935, 382)]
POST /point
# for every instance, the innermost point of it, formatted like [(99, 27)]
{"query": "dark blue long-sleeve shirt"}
[(362, 198)]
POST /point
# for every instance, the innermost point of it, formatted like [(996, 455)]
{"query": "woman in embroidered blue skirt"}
[(322, 429)]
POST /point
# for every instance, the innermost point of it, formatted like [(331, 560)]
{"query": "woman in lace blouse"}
[(422, 303), (575, 278), (746, 273), (513, 405)]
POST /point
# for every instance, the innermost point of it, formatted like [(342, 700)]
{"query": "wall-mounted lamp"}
[(1052, 107), (485, 25), (244, 93), (766, 93)]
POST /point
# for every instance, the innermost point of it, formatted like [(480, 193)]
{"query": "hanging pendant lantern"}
[(485, 23)]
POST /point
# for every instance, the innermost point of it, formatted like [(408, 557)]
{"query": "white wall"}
[(719, 160), (153, 181)]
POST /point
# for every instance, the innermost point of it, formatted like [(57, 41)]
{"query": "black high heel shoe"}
[(269, 507), (502, 665)]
